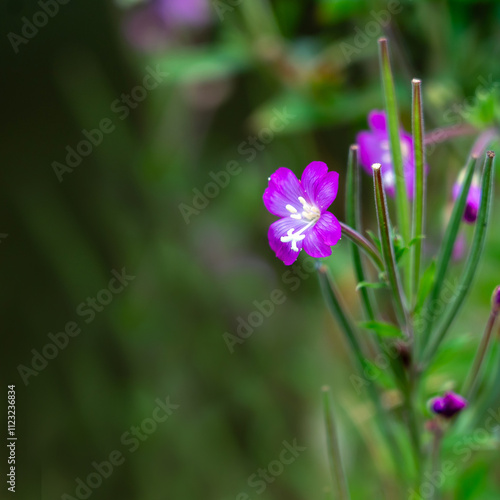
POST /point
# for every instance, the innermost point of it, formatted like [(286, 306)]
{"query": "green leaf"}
[(384, 329), (369, 284), (414, 240), (399, 253)]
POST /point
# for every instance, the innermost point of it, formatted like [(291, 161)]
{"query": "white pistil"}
[(294, 237)]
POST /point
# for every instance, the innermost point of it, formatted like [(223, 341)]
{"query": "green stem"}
[(336, 465), (388, 249), (418, 204), (364, 244), (472, 261), (332, 299), (413, 424), (353, 218), (444, 258), (402, 204), (435, 460)]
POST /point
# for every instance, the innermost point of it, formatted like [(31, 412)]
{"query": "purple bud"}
[(495, 300), (473, 199), (448, 405)]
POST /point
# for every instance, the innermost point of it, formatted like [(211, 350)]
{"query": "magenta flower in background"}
[(375, 147), (473, 199), (448, 405), (305, 223), (158, 23)]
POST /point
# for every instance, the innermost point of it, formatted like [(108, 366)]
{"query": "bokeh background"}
[(228, 68)]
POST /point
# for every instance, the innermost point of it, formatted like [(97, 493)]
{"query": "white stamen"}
[(291, 208), (296, 216)]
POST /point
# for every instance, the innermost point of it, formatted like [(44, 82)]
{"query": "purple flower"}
[(375, 147), (448, 405), (473, 198), (183, 12), (156, 24), (305, 223)]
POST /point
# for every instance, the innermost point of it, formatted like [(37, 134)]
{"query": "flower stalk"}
[(364, 244)]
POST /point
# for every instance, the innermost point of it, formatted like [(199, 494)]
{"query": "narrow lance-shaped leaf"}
[(402, 204), (387, 246), (444, 258), (472, 260), (419, 198)]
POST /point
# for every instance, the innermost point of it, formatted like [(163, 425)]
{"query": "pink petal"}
[(325, 233), (284, 189), (377, 121), (369, 150), (282, 250), (320, 185)]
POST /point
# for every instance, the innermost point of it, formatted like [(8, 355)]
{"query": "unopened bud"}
[(495, 301)]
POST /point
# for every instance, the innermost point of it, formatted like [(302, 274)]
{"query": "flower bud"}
[(448, 405), (495, 301)]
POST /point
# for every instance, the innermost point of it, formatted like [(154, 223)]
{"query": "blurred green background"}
[(230, 66)]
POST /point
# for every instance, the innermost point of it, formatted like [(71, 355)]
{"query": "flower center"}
[(309, 213)]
